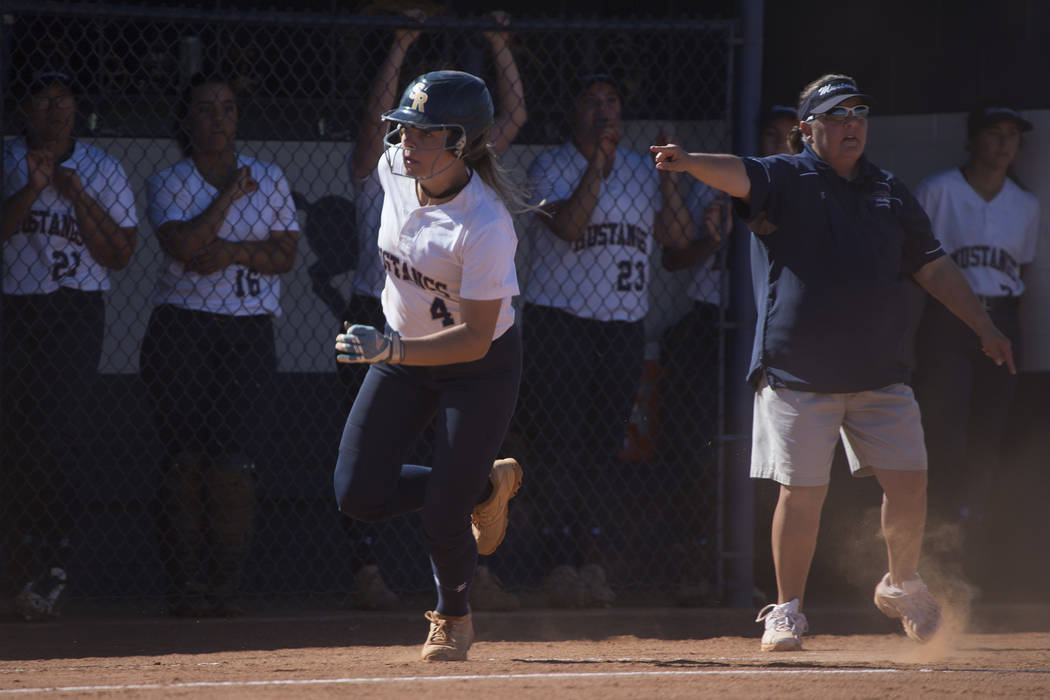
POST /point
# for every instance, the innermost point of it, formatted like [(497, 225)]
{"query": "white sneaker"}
[(785, 625), (912, 602)]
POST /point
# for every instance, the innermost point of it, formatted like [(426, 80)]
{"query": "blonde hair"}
[(795, 137), (482, 159)]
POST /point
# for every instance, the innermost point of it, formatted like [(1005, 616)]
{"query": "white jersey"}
[(369, 277), (434, 256), (180, 193), (604, 275), (47, 251), (706, 282), (988, 241)]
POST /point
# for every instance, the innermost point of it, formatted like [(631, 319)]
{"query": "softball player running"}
[(68, 217), (450, 349), (227, 226), (365, 306)]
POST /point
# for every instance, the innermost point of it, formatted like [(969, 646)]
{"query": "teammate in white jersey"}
[(989, 225), (451, 348), (586, 295), (369, 276), (227, 226), (68, 217)]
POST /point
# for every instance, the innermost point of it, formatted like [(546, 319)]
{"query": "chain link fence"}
[(171, 402)]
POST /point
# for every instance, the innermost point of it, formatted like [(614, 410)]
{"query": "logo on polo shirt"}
[(883, 199)]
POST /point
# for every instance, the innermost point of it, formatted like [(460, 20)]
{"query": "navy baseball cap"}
[(828, 94), (986, 115), (774, 112), (585, 80), (41, 80)]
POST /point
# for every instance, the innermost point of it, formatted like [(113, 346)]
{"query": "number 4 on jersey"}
[(438, 310)]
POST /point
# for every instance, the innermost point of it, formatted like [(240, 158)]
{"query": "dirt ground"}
[(999, 651)]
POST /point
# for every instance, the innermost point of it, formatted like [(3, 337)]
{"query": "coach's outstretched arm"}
[(719, 170)]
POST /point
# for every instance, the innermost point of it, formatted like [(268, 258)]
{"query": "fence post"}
[(739, 550)]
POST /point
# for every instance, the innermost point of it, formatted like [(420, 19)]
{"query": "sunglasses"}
[(841, 114), (43, 102)]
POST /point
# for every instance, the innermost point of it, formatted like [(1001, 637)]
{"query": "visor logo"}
[(419, 98), (834, 87)]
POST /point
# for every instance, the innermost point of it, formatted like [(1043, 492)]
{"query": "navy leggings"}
[(473, 403)]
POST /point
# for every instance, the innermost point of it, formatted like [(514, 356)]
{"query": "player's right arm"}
[(40, 166), (184, 239), (568, 219), (510, 108), (719, 170), (369, 144)]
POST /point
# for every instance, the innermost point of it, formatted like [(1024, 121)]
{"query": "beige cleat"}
[(598, 592), (564, 588), (371, 591), (450, 637), (489, 519)]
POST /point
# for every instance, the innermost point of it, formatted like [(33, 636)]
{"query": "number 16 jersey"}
[(180, 193)]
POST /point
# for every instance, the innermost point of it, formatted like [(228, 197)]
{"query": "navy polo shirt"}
[(831, 280)]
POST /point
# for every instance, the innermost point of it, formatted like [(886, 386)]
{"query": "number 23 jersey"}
[(180, 193), (435, 256), (47, 251), (604, 274)]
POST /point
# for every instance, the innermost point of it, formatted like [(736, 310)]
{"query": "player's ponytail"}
[(480, 157)]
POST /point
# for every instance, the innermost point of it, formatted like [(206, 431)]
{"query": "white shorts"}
[(794, 433)]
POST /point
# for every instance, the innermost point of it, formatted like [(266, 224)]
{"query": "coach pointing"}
[(842, 238)]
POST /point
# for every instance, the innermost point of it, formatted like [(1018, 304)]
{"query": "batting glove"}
[(365, 344)]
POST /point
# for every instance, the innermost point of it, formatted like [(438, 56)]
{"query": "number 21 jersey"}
[(47, 251)]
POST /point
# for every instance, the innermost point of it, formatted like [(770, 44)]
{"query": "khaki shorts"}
[(794, 433)]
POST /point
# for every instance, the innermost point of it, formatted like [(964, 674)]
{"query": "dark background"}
[(915, 56)]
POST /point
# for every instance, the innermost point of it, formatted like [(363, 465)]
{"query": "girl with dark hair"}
[(226, 223), (68, 219), (989, 225)]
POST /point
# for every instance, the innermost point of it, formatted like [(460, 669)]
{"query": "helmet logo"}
[(419, 98)]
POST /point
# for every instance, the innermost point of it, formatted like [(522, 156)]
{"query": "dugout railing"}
[(302, 80)]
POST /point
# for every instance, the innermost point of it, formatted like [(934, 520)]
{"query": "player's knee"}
[(356, 495)]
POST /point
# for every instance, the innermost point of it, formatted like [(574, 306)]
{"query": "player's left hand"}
[(998, 347), (67, 182), (365, 344), (502, 19)]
